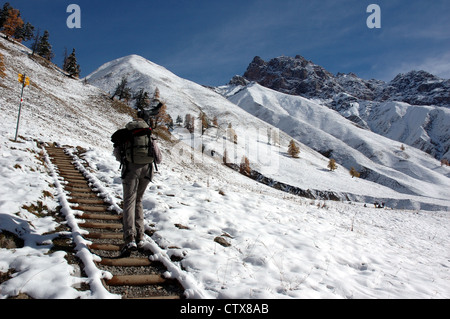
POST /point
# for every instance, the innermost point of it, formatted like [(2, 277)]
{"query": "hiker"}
[(137, 151)]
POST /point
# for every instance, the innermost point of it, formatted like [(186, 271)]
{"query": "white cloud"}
[(436, 65)]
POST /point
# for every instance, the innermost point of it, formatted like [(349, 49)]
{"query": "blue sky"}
[(209, 41)]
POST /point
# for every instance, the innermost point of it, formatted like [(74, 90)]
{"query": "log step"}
[(104, 236), (107, 247), (100, 225), (83, 195), (78, 189), (136, 280), (126, 262), (100, 216), (86, 201), (98, 209), (71, 183)]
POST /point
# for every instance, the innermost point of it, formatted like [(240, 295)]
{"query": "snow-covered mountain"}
[(413, 108), (400, 178), (280, 245), (298, 76)]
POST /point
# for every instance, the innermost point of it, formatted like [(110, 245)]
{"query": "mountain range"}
[(422, 120), (321, 131)]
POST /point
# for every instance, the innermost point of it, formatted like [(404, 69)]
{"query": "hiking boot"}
[(141, 245), (127, 249)]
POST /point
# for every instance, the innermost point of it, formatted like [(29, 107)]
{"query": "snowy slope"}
[(421, 126), (281, 246), (379, 158)]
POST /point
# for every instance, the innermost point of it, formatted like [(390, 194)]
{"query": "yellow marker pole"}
[(25, 81)]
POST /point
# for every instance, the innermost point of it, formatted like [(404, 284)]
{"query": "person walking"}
[(136, 150)]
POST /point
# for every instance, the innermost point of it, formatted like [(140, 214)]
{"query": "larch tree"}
[(244, 168), (162, 118), (205, 121), (332, 165), (12, 23), (2, 66), (189, 123), (293, 149), (354, 173)]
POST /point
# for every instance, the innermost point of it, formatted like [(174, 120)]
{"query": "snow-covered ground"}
[(281, 245)]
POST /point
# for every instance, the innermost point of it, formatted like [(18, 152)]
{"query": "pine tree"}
[(4, 14), (25, 33), (44, 48), (332, 165), (142, 100), (179, 120), (35, 44), (122, 90), (293, 149), (71, 66), (2, 66), (12, 23)]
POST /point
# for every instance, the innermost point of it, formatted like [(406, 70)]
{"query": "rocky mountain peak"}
[(298, 76), (419, 88), (295, 76)]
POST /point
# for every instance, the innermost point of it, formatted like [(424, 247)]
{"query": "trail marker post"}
[(25, 82)]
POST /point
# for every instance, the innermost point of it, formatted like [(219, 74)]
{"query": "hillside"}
[(53, 100), (379, 159), (280, 245)]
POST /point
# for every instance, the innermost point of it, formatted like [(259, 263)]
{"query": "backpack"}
[(135, 143)]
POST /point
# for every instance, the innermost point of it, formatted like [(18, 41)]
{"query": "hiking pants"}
[(134, 185)]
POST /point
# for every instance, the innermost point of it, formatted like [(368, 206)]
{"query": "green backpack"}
[(134, 143), (139, 147)]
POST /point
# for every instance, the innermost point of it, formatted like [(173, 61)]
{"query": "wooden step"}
[(90, 201), (85, 208), (136, 280), (108, 247), (77, 184), (73, 177), (100, 226), (80, 195), (126, 262), (77, 189), (100, 216), (104, 236), (66, 167)]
